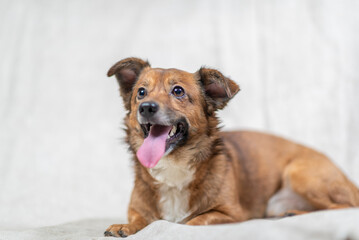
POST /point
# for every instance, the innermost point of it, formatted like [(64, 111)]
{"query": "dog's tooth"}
[(173, 131)]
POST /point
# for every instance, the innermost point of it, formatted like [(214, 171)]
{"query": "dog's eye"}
[(141, 93), (178, 91)]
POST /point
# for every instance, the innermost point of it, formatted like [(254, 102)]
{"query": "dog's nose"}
[(148, 109)]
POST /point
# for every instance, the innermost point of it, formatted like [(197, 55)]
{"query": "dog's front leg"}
[(212, 217), (136, 223)]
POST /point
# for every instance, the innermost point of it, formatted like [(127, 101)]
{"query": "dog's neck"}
[(171, 173), (178, 170)]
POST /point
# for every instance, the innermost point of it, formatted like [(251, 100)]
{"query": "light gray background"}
[(61, 156)]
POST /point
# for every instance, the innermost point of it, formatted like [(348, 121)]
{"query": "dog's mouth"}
[(160, 140), (176, 133)]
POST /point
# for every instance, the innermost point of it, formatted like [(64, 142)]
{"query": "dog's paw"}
[(292, 213), (119, 230), (289, 214)]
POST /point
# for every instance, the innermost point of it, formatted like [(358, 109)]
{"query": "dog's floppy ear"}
[(127, 72), (218, 88)]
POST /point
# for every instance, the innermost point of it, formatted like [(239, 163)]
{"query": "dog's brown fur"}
[(233, 176)]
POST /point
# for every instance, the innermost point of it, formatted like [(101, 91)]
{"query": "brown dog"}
[(187, 171)]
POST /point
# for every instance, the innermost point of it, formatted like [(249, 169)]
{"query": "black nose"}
[(148, 109)]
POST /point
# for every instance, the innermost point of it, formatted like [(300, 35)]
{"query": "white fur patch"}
[(174, 194), (285, 200)]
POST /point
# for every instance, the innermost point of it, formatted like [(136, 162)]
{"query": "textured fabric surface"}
[(326, 225), (62, 157)]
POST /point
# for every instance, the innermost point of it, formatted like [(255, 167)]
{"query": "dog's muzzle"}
[(162, 133)]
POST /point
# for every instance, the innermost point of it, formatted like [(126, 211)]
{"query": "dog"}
[(188, 171)]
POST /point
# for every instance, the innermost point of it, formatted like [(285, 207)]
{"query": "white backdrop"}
[(61, 154)]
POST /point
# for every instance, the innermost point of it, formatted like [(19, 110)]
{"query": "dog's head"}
[(171, 112)]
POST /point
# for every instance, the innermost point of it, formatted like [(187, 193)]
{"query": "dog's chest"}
[(173, 181)]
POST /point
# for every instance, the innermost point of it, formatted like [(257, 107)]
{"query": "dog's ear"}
[(218, 88), (127, 72)]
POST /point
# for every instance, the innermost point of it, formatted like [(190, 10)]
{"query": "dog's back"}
[(266, 164)]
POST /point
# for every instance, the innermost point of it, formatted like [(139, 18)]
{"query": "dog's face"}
[(170, 110)]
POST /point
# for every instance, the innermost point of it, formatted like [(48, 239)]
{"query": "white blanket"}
[(333, 224)]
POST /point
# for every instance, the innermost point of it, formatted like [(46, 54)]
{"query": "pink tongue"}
[(153, 146)]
